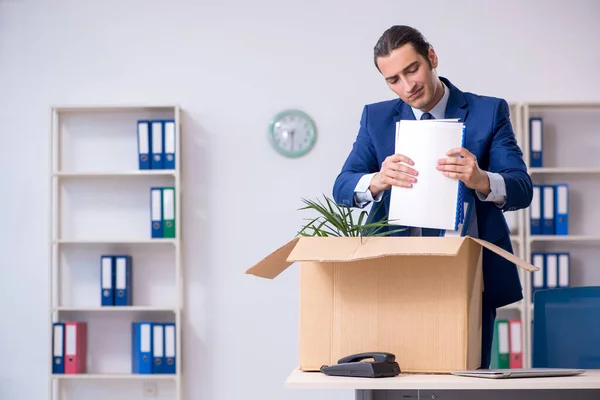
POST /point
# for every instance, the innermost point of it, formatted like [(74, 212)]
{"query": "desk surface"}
[(317, 380)]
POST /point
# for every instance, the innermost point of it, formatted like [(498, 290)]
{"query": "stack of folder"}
[(153, 347), (162, 212), (115, 278), (507, 344), (549, 210), (554, 271), (156, 144), (69, 347)]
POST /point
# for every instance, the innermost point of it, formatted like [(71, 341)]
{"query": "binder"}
[(75, 347), (169, 127), (463, 227), (107, 280), (435, 201), (500, 345), (536, 139), (551, 271), (516, 344), (168, 201), (561, 214), (156, 212), (538, 277), (123, 291), (564, 270), (58, 348), (157, 147), (548, 207), (158, 348), (170, 352), (143, 141), (141, 347), (536, 211)]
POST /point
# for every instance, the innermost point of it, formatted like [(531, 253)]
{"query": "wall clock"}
[(292, 133)]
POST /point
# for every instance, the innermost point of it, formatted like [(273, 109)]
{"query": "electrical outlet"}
[(149, 389)]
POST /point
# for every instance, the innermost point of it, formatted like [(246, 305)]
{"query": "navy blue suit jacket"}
[(490, 137)]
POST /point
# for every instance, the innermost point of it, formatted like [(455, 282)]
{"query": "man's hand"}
[(465, 168), (393, 173)]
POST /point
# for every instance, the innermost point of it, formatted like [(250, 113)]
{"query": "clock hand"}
[(292, 136)]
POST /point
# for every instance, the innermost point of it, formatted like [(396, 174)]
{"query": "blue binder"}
[(169, 144), (561, 209), (123, 290), (535, 211), (548, 210), (58, 348), (536, 140), (564, 269), (460, 201), (107, 280), (158, 348), (141, 347), (551, 270), (538, 278), (170, 348), (157, 144), (143, 142), (156, 212)]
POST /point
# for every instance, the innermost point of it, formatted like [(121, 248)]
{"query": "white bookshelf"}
[(570, 155), (515, 219), (100, 204)]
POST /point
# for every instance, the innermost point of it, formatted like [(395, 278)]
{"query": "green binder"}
[(500, 345), (168, 212)]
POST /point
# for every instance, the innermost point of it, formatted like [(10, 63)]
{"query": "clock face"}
[(292, 133)]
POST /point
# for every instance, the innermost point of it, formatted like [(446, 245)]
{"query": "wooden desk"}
[(449, 387)]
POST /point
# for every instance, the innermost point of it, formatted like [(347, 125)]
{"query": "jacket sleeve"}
[(506, 159), (361, 160)]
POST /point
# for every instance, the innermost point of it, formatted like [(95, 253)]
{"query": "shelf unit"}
[(100, 204), (570, 155)]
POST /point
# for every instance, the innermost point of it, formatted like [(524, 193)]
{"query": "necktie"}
[(427, 116)]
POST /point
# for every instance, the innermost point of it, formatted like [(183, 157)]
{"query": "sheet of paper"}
[(433, 199)]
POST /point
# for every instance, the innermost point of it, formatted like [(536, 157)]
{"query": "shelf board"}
[(115, 241), (572, 170), (116, 174), (124, 376), (563, 238), (567, 105), (114, 108), (114, 309)]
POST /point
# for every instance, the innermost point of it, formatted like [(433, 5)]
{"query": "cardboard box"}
[(416, 297)]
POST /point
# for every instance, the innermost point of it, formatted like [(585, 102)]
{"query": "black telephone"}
[(383, 365)]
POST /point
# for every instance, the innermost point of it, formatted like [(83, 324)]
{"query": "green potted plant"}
[(336, 220)]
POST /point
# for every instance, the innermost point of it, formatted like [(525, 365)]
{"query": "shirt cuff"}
[(362, 194), (497, 190)]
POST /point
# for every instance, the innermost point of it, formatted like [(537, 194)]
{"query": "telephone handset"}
[(383, 365)]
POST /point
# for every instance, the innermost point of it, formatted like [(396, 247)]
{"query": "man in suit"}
[(490, 165)]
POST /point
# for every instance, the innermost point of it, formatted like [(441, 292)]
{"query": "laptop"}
[(520, 373)]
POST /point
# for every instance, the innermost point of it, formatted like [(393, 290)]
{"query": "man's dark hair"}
[(397, 36)]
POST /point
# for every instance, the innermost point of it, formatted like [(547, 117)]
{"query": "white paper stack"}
[(434, 201)]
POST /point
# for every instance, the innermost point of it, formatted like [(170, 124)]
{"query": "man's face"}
[(408, 74)]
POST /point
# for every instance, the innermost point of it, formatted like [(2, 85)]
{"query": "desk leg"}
[(579, 394)]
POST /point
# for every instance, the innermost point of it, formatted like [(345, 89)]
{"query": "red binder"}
[(75, 347), (516, 344)]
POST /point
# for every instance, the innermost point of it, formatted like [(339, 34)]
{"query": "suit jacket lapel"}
[(457, 106), (404, 112)]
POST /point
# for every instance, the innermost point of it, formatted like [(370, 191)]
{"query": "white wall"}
[(231, 66)]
